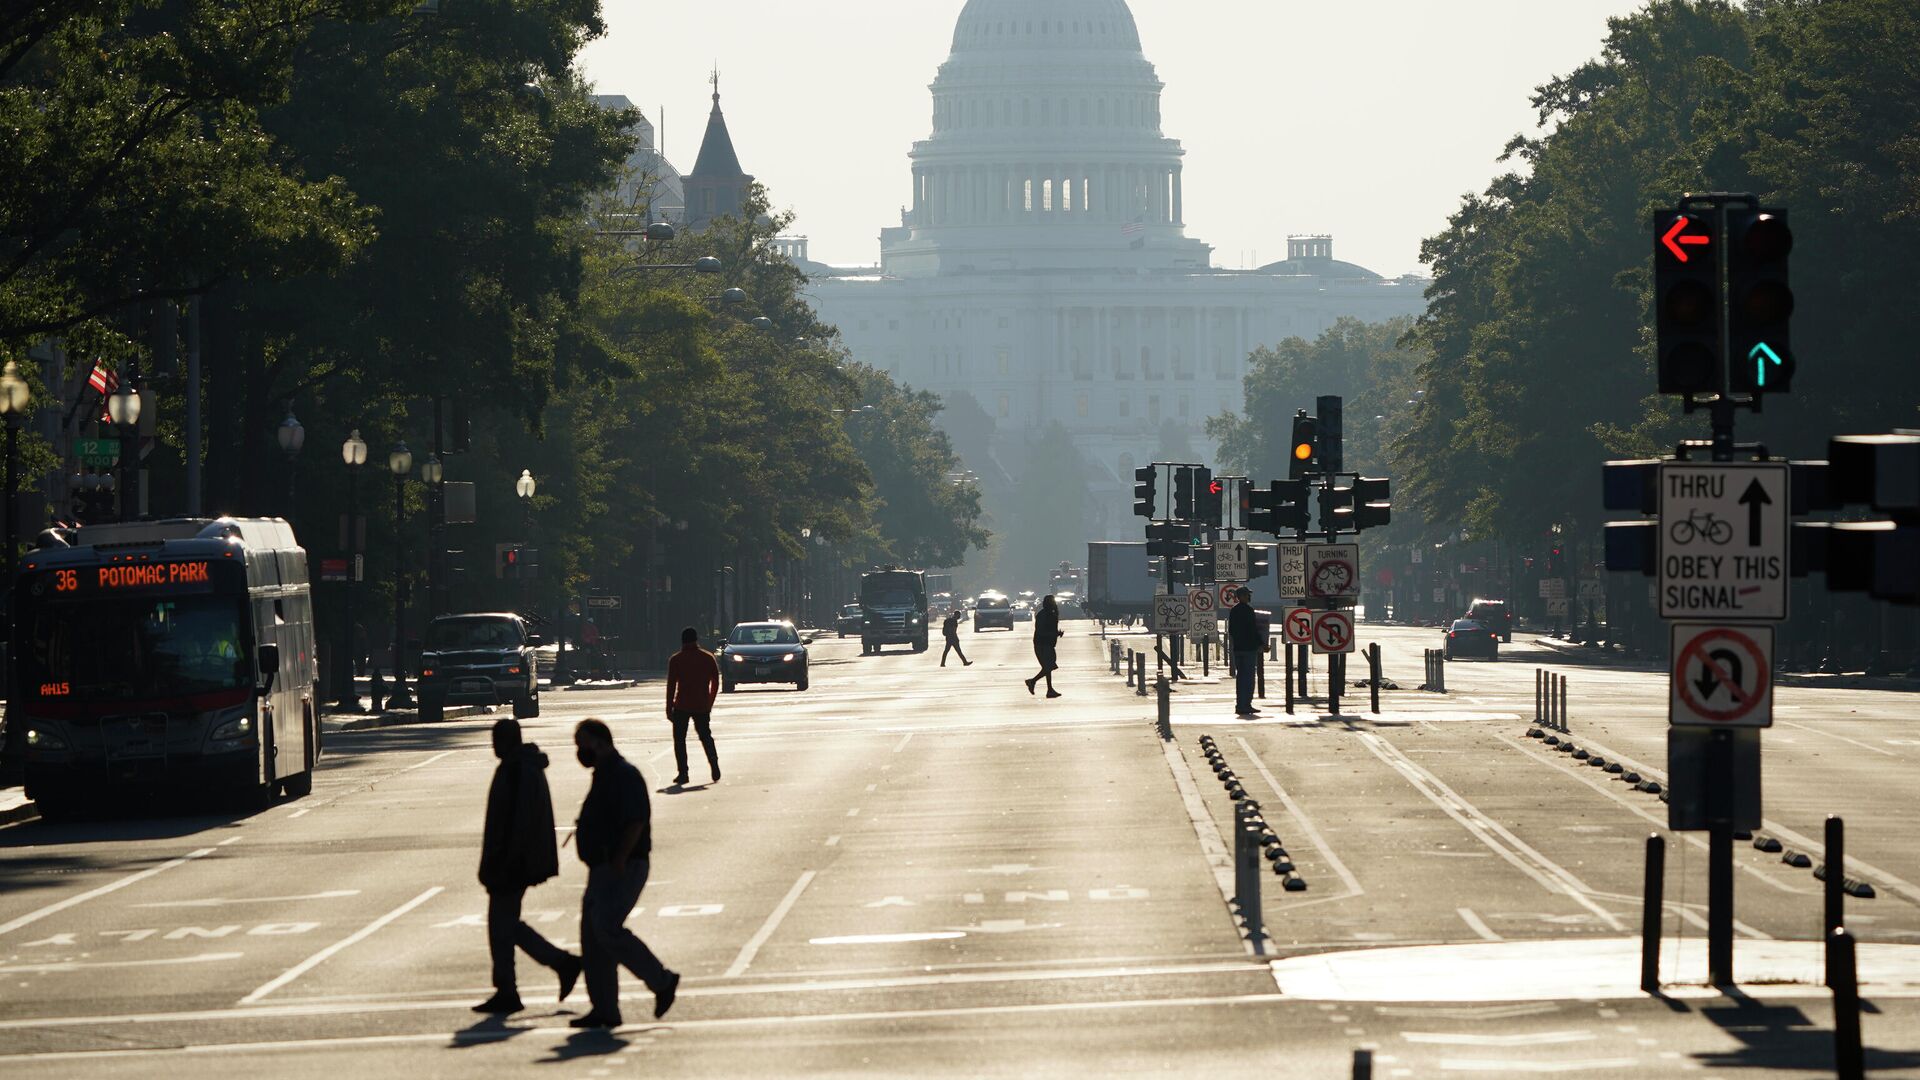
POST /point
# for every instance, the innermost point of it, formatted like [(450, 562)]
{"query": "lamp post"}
[(123, 410), (399, 463), (15, 396), (353, 453), (523, 489), (435, 474), (292, 437)]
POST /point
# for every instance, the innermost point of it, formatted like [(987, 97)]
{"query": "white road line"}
[(1478, 925), (902, 744), (331, 894), (88, 965), (752, 947), (470, 1036), (1842, 738), (834, 840), (1549, 874), (1212, 848), (302, 812), (855, 812), (354, 938), (35, 916), (1306, 824), (1530, 1038), (1485, 1067)]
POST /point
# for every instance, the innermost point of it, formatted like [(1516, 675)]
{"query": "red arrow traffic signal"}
[(1677, 235)]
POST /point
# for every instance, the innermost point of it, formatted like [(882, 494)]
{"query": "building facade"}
[(1042, 266)]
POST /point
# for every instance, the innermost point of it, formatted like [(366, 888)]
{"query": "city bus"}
[(175, 654)]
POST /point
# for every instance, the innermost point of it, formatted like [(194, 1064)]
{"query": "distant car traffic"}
[(1022, 611), (763, 652), (992, 610), (479, 660), (848, 621), (1495, 614), (1467, 637)]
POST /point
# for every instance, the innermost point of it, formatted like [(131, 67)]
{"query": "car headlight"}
[(233, 730), (789, 657), (739, 659), (42, 739)]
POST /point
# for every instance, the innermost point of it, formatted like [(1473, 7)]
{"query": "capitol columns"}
[(1179, 209)]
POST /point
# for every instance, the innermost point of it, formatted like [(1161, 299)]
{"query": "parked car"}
[(1495, 614), (848, 621), (479, 660), (992, 610), (762, 652), (1467, 637)]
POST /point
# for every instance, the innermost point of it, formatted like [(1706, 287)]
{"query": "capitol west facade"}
[(1043, 267)]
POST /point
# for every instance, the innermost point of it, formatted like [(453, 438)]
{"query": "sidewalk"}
[(15, 806)]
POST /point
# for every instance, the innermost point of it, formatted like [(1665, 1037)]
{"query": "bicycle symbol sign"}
[(1723, 541), (1701, 525)]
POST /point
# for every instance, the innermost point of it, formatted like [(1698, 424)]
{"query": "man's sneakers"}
[(1030, 683), (663, 997), (499, 1005), (1053, 693), (716, 774), (569, 974), (594, 1020), (680, 781)]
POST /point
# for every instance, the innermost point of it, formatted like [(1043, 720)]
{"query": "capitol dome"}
[(1046, 149)]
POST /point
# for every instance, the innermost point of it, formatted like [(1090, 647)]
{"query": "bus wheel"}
[(299, 785), (528, 707)]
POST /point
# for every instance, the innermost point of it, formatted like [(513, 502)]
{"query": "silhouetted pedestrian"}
[(1046, 643), (693, 684), (517, 852), (614, 835), (951, 630), (1243, 637), (377, 691)]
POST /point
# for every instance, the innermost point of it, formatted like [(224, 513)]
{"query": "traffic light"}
[(510, 563), (1362, 506), (1210, 494), (1290, 508), (1759, 301), (1167, 539), (1303, 457), (1146, 491), (1260, 509), (1881, 558), (1183, 493), (1259, 562), (1686, 303), (1203, 565), (529, 563)]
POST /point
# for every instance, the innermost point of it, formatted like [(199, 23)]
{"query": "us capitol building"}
[(1043, 265)]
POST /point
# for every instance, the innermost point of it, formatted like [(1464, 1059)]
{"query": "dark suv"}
[(479, 660), (1494, 615)]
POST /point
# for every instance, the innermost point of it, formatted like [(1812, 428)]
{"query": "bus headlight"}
[(233, 730), (42, 739)]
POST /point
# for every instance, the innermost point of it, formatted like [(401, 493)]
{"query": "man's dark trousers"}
[(953, 645), (505, 929), (606, 944), (1244, 663), (703, 725)]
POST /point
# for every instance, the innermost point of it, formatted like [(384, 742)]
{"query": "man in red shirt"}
[(693, 682)]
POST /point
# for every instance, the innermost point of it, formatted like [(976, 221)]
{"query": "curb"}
[(616, 684), (408, 719), (23, 811)]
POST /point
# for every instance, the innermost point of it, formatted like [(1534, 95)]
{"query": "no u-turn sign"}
[(1722, 676)]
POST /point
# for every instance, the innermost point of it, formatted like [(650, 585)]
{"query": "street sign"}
[(1591, 590), (1297, 626), (1204, 623), (1200, 603), (1227, 597), (1723, 541), (1291, 566), (1333, 571), (1722, 676), (333, 569), (1333, 632), (1553, 588), (1695, 784), (1557, 607), (1170, 615), (99, 453), (611, 603), (1230, 560)]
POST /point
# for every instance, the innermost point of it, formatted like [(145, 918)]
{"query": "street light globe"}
[(123, 407), (432, 471), (524, 486), (762, 323), (400, 461), (660, 230), (354, 450), (806, 534), (14, 392), (707, 264), (734, 295), (292, 434)]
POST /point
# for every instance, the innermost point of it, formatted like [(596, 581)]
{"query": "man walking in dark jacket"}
[(1243, 637), (951, 631), (615, 837), (1046, 643), (693, 684), (517, 852)]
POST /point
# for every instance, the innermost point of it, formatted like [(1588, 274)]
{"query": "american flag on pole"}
[(1133, 228), (103, 381)]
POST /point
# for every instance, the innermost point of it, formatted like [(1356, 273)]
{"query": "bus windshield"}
[(127, 648), (890, 592)]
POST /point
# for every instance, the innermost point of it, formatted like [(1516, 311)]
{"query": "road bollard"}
[(1206, 659), (1563, 703), (1363, 1065), (1163, 690), (1836, 894), (1113, 658), (1539, 695), (1653, 902), (1848, 1061), (1246, 865), (1373, 662), (1273, 648), (1140, 675), (1129, 668)]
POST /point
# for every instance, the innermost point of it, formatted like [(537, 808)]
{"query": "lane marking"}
[(479, 1036), (1212, 848), (887, 939), (1477, 924), (32, 917), (330, 895), (302, 812), (834, 840), (1530, 1038), (1306, 824), (752, 947), (327, 953), (78, 965), (1842, 738), (902, 744), (855, 812), (1476, 1065), (1550, 875)]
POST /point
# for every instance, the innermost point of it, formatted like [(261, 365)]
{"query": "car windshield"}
[(121, 649), (763, 635), (886, 595), (992, 603), (1486, 610), (473, 634), (1468, 624), (850, 609)]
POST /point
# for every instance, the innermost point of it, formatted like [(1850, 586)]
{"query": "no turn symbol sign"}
[(1298, 626), (1333, 632), (1722, 676)]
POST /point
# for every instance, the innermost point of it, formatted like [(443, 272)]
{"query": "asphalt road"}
[(915, 870)]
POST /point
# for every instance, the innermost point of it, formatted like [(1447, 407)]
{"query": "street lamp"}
[(435, 474), (15, 396), (399, 463), (292, 437), (123, 409), (353, 453), (524, 488)]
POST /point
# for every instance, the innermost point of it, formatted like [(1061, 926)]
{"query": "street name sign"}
[(1297, 626), (1722, 676), (1292, 569), (1170, 615), (1230, 560), (1333, 632), (98, 453), (1723, 541), (1333, 571)]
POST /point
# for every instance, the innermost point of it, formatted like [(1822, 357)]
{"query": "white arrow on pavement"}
[(1004, 926)]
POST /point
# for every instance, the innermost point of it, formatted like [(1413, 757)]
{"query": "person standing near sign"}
[(1046, 643), (1243, 637)]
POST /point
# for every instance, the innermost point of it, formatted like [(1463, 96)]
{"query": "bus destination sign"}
[(123, 576)]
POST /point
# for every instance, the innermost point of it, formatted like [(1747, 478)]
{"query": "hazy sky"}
[(1367, 119)]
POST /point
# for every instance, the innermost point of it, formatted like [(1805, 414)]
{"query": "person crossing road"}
[(693, 684), (951, 630), (1046, 643), (517, 852)]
